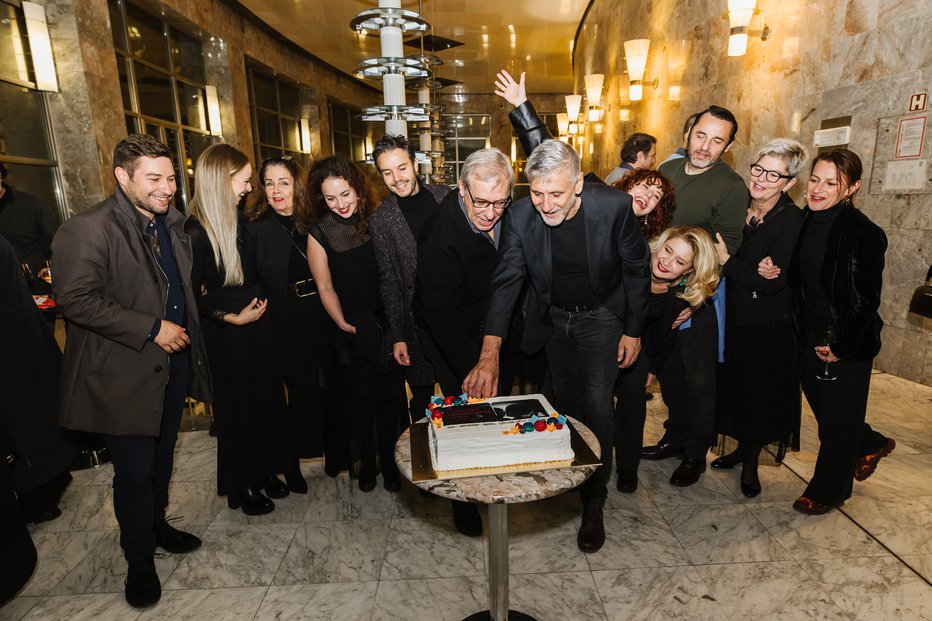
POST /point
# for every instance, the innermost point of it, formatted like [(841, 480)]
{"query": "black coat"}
[(455, 265), (755, 298), (852, 278), (618, 256)]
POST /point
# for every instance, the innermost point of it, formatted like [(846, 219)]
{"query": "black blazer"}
[(852, 278), (455, 265), (755, 298), (273, 252), (619, 265)]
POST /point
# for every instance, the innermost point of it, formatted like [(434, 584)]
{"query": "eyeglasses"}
[(772, 175), (481, 204)]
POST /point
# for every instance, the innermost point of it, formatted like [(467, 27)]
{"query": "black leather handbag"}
[(921, 304)]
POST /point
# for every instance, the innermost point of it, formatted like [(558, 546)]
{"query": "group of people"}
[(260, 299)]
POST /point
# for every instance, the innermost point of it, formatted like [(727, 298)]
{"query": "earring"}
[(685, 280)]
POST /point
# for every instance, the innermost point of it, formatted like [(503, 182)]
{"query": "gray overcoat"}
[(110, 288)]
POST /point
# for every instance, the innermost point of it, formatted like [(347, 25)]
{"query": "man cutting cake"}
[(581, 248)]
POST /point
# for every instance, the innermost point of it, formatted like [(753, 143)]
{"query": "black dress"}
[(361, 371), (759, 398), (249, 403)]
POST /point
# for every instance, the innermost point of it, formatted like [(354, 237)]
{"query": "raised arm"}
[(529, 127)]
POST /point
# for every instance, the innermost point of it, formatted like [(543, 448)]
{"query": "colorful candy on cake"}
[(467, 434)]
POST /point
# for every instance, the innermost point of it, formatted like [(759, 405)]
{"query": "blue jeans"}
[(583, 363)]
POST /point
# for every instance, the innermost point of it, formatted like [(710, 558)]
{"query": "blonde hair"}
[(701, 282), (214, 206)]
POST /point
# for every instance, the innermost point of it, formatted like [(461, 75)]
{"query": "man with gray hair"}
[(457, 253), (580, 245)]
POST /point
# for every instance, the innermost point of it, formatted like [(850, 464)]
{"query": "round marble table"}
[(498, 491)]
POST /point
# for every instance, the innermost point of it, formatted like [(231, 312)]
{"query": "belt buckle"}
[(301, 291)]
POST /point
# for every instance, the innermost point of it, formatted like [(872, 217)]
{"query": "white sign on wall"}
[(905, 175), (909, 137)]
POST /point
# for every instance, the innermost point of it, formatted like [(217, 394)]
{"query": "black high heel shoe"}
[(296, 482), (251, 501), (274, 488), (727, 462), (750, 483)]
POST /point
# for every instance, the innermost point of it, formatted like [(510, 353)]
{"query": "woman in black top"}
[(295, 310), (758, 397), (837, 274), (364, 377), (684, 274), (249, 408)]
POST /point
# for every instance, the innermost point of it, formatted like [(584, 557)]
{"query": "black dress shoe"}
[(627, 482), (687, 473), (750, 483), (296, 482), (173, 540), (466, 518), (591, 534), (661, 450), (142, 584), (251, 501), (274, 488), (727, 462), (48, 515), (391, 483)]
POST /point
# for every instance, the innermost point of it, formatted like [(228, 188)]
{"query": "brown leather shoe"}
[(866, 465), (807, 505)]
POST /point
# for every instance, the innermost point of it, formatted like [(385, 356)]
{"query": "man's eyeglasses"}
[(772, 175), (481, 204)]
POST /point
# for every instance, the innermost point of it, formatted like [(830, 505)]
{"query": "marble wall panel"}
[(824, 59)]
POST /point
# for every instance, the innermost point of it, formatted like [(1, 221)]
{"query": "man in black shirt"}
[(394, 228), (581, 247), (28, 224)]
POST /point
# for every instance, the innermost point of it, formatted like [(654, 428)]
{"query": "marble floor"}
[(703, 552)]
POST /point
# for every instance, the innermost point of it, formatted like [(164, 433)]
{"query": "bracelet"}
[(218, 314)]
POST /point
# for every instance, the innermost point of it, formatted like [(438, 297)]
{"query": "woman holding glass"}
[(364, 377), (837, 273), (249, 408), (758, 397)]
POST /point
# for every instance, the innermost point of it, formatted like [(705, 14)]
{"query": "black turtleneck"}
[(416, 208), (812, 246)]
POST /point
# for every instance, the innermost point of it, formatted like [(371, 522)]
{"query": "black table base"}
[(486, 615)]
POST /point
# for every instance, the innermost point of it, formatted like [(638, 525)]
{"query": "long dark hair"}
[(658, 220), (302, 204), (340, 167)]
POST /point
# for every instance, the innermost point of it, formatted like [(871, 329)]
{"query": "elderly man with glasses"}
[(457, 253)]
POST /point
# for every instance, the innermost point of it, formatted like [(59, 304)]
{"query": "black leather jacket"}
[(852, 277)]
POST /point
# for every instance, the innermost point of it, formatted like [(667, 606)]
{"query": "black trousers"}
[(840, 407), (630, 413), (142, 469), (302, 343), (687, 383)]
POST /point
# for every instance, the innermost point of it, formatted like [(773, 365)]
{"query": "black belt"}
[(303, 288), (578, 308)]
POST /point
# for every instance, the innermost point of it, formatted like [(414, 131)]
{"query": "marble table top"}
[(502, 488)]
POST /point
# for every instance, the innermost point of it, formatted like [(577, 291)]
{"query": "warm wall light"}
[(213, 110), (41, 47), (563, 123), (594, 82), (740, 13), (624, 115), (636, 60), (305, 136), (573, 103), (676, 64)]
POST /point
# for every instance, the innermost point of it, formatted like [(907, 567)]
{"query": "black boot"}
[(591, 534), (251, 501), (750, 483), (296, 482), (274, 488), (143, 588), (687, 473), (173, 540)]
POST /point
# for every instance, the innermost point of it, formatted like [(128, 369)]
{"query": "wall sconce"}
[(740, 13), (676, 65), (573, 128), (563, 123), (213, 110), (573, 103), (624, 114), (636, 60), (306, 136), (594, 82), (43, 63)]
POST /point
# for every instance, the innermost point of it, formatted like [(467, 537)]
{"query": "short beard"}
[(709, 164)]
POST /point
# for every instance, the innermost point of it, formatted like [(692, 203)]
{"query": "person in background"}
[(681, 151), (395, 227), (28, 224), (294, 305), (684, 274), (457, 253), (135, 348), (639, 152), (252, 431), (837, 275), (652, 200), (760, 336), (364, 375)]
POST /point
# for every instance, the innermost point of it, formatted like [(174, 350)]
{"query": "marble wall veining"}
[(824, 59)]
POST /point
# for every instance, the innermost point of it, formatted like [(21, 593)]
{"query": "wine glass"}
[(47, 271), (27, 273), (826, 374)]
